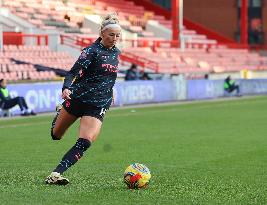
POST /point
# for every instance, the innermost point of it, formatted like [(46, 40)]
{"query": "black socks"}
[(73, 155)]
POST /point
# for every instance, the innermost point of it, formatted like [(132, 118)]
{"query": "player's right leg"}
[(62, 121)]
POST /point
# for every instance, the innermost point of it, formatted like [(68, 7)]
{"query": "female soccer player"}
[(87, 91)]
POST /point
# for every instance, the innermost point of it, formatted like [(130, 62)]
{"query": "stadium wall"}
[(43, 97), (214, 14), (209, 89)]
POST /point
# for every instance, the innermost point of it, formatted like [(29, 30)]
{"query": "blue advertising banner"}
[(136, 92), (204, 89), (43, 97), (200, 89), (253, 86)]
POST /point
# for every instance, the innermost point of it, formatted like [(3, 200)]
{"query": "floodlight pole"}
[(244, 22), (1, 29), (177, 22), (1, 37), (181, 24)]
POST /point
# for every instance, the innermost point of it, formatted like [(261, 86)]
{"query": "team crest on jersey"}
[(83, 55)]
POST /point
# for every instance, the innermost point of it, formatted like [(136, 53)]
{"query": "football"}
[(136, 176)]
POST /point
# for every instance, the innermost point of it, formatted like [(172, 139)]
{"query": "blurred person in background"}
[(230, 86), (7, 102), (132, 73), (88, 94), (144, 75)]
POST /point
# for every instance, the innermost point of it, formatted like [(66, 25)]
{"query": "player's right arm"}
[(82, 63)]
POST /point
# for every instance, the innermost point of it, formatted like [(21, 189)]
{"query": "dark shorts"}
[(79, 109)]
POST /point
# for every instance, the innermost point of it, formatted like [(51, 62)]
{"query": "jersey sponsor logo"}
[(110, 68)]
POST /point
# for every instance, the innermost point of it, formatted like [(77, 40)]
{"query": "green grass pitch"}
[(198, 153)]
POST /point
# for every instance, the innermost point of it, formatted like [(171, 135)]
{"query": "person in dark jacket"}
[(7, 102), (144, 75), (88, 94), (132, 73)]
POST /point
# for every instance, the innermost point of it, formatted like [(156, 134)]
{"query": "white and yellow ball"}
[(137, 176)]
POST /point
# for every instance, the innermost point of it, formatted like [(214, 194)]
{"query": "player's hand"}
[(66, 94)]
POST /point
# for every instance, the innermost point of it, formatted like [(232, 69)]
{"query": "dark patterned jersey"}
[(93, 75)]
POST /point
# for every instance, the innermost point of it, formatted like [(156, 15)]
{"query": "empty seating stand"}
[(32, 63), (68, 17), (54, 14), (216, 60)]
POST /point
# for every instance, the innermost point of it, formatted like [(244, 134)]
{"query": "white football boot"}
[(56, 178)]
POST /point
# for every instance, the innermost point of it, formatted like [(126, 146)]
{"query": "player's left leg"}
[(89, 130), (56, 178), (90, 126), (61, 122), (58, 109)]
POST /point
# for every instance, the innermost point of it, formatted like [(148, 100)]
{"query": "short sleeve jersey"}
[(92, 77)]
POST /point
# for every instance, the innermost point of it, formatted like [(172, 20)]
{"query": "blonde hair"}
[(111, 18)]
